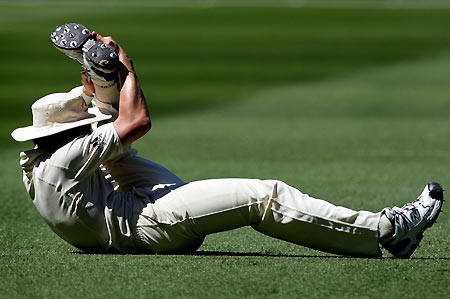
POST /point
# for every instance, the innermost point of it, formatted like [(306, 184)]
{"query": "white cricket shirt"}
[(78, 203)]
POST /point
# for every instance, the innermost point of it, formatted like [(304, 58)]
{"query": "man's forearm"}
[(134, 120)]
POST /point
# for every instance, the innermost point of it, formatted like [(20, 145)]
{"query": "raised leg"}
[(189, 213)]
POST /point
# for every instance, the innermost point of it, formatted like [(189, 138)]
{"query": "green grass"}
[(348, 104)]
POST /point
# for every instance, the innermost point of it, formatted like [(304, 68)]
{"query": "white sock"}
[(107, 92), (385, 229)]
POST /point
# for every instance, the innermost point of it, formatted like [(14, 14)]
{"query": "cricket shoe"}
[(411, 220), (76, 41)]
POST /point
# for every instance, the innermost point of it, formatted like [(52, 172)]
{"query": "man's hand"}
[(88, 86), (123, 56)]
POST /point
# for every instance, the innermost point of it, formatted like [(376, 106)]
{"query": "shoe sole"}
[(76, 41), (102, 56), (70, 36)]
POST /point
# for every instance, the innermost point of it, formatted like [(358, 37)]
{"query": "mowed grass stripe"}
[(180, 52), (375, 119)]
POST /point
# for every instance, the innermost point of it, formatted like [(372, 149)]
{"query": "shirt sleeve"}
[(87, 98), (89, 152)]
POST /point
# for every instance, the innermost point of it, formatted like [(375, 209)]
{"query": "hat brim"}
[(31, 132)]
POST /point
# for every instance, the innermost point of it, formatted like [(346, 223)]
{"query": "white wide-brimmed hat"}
[(58, 112)]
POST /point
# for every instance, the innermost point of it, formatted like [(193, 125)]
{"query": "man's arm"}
[(133, 120)]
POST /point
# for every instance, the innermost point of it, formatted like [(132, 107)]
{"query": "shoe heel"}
[(102, 56), (101, 61)]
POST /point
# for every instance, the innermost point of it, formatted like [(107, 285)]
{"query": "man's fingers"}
[(96, 36), (84, 78), (89, 88), (106, 40)]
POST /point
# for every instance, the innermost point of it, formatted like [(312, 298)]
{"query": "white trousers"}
[(179, 220)]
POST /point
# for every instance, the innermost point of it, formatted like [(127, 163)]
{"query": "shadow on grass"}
[(265, 254)]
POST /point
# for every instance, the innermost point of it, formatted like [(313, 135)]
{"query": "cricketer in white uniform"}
[(96, 194)]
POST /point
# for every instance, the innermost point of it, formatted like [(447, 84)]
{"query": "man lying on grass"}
[(95, 193)]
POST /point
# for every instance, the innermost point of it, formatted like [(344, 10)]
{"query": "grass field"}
[(348, 104)]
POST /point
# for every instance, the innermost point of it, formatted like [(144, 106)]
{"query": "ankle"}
[(386, 229), (107, 92)]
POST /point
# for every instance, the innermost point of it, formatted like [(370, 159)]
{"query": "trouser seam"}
[(320, 217), (225, 210)]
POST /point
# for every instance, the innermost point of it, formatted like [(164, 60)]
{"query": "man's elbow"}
[(145, 124), (142, 125), (129, 130)]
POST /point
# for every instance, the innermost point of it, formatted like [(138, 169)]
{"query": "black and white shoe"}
[(76, 41), (411, 220)]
